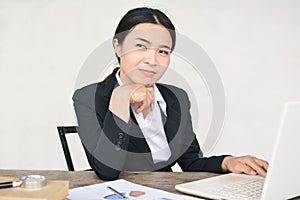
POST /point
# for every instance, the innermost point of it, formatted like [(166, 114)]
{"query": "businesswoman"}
[(130, 122)]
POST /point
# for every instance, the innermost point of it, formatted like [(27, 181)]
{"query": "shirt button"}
[(117, 147)]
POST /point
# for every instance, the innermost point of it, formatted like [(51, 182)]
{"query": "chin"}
[(146, 82)]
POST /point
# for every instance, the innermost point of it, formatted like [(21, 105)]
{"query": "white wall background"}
[(254, 44)]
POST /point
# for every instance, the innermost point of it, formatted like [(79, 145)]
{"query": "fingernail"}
[(253, 172)]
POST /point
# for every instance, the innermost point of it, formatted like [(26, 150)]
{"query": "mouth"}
[(147, 72)]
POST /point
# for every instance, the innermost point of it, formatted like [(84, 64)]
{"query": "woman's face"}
[(144, 54)]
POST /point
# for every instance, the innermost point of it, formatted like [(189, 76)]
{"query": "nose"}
[(151, 58)]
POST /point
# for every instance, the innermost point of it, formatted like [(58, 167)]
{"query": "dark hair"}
[(143, 15)]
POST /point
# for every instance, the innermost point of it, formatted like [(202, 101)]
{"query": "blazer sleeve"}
[(104, 138)]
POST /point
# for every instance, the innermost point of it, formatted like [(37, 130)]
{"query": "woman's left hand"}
[(245, 164)]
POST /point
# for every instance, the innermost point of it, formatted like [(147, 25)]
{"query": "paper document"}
[(131, 190)]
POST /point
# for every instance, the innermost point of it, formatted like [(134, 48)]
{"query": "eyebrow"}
[(144, 40)]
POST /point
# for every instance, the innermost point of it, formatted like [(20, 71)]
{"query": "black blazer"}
[(113, 146)]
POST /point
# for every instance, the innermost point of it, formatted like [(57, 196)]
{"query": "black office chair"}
[(62, 131)]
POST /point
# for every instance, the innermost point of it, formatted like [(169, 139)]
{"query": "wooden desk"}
[(159, 180)]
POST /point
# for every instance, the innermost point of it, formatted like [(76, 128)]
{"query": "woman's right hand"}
[(125, 95), (142, 97)]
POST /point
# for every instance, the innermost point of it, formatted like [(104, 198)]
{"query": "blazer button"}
[(120, 136)]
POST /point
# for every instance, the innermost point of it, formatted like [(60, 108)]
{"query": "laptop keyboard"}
[(250, 189)]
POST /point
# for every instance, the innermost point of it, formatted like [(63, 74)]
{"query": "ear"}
[(117, 47)]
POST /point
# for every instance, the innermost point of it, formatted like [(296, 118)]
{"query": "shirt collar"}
[(157, 99)]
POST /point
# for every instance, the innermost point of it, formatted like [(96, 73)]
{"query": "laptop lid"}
[(282, 181), (282, 177)]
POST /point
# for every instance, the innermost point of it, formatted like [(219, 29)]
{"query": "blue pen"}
[(117, 193)]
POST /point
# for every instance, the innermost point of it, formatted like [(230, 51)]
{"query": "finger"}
[(149, 101), (150, 89), (150, 95), (142, 97), (259, 170), (262, 167), (150, 92), (262, 163), (242, 168), (138, 95), (252, 162), (140, 106)]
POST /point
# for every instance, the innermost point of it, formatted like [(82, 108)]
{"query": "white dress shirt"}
[(152, 126)]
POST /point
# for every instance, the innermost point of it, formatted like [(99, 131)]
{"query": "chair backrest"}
[(62, 131)]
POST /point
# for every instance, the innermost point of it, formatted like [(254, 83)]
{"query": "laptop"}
[(283, 176)]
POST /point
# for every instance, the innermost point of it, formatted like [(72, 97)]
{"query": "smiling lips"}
[(147, 72)]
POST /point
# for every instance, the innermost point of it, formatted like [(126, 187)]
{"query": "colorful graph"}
[(134, 193)]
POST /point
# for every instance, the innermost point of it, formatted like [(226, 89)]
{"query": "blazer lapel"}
[(172, 121)]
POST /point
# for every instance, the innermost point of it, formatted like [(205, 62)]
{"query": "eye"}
[(141, 46), (163, 52)]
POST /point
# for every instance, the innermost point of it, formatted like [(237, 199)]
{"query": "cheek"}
[(128, 63), (132, 59), (164, 62), (164, 65), (167, 62)]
